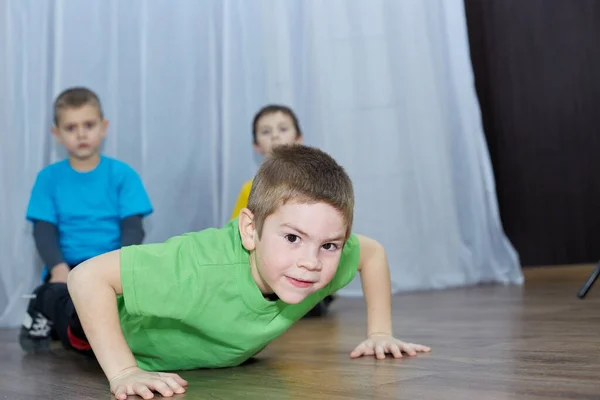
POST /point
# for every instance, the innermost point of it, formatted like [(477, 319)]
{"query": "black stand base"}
[(588, 284)]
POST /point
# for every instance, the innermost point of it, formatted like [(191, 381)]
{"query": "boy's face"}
[(275, 129), (299, 249), (81, 131)]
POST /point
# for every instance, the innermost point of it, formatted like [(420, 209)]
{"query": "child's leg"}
[(52, 308), (55, 303), (36, 330)]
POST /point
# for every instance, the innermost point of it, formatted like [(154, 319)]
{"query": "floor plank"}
[(538, 341)]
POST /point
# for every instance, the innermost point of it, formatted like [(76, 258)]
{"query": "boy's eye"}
[(266, 132), (292, 238), (90, 125), (330, 246)]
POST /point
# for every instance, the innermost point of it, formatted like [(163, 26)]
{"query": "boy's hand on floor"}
[(58, 273), (134, 381), (381, 344)]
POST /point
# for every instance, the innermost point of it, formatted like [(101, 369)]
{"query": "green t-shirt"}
[(191, 302)]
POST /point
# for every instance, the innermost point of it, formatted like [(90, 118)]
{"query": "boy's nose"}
[(310, 263)]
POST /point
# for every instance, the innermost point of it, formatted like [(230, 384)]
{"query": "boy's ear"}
[(104, 127), (257, 149), (247, 229), (55, 132)]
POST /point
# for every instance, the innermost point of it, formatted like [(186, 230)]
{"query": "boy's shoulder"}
[(218, 245), (54, 168), (118, 171), (117, 165), (208, 247)]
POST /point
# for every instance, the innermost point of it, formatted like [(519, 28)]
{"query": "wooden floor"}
[(533, 342)]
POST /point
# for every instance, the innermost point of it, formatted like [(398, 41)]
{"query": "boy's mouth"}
[(299, 283)]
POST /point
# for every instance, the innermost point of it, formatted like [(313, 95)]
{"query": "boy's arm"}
[(132, 230), (377, 288), (43, 214), (94, 286), (375, 277), (133, 198), (45, 235)]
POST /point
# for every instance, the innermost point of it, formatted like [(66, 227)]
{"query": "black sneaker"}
[(36, 330)]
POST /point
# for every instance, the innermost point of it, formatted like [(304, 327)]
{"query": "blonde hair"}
[(300, 174)]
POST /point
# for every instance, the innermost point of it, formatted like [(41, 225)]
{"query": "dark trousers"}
[(53, 300)]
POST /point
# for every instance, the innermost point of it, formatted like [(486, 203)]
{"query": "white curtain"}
[(385, 86)]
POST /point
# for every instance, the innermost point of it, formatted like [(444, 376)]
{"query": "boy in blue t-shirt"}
[(80, 207)]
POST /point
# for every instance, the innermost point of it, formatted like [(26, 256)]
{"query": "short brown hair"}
[(74, 98), (302, 174), (272, 109)]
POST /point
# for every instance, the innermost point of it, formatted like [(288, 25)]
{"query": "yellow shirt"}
[(242, 200)]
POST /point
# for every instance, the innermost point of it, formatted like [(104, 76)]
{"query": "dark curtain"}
[(537, 75)]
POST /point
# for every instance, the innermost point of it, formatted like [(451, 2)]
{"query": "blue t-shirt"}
[(87, 207)]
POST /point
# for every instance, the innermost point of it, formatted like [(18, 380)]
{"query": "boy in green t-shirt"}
[(217, 297)]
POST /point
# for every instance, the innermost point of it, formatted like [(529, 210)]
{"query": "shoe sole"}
[(33, 346)]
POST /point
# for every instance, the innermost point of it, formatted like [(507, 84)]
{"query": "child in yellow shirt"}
[(275, 125)]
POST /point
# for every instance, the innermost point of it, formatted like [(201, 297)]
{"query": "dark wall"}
[(537, 74)]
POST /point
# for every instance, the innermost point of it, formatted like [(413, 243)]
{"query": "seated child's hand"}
[(134, 381), (380, 344), (58, 274)]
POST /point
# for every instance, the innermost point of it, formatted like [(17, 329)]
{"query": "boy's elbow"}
[(83, 274), (100, 271), (75, 277)]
